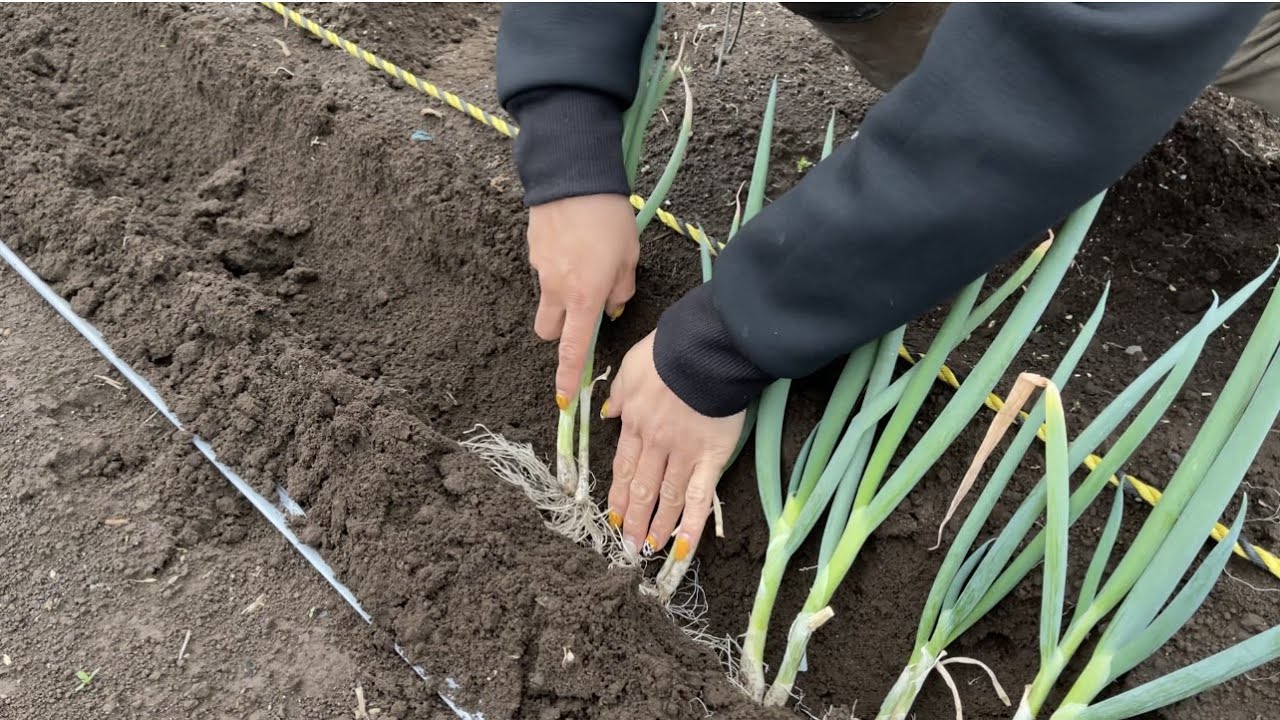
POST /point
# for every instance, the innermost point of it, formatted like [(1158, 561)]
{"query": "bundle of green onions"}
[(843, 471), (970, 583), (857, 473), (1138, 598), (566, 498)]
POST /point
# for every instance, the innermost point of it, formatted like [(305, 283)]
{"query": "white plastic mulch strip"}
[(274, 515)]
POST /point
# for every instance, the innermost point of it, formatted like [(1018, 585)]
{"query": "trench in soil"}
[(333, 306)]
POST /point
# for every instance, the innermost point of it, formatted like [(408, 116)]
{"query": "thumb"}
[(624, 288), (617, 397), (576, 343), (612, 405)]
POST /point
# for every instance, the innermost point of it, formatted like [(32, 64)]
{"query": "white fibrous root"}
[(574, 515), (686, 606)]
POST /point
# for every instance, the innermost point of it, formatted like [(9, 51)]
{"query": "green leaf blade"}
[(760, 169), (801, 459), (829, 142), (1057, 514), (856, 375), (769, 421), (1097, 431), (1183, 605), (964, 573), (632, 127), (993, 364), (668, 178), (1188, 681), (1101, 555), (1232, 433), (1012, 534), (949, 336)]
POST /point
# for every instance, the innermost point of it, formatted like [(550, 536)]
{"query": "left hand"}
[(668, 454)]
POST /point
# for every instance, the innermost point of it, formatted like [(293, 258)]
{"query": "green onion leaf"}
[(1057, 480), (1106, 543)]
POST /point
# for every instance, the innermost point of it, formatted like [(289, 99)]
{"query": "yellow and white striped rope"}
[(477, 113), (1244, 548)]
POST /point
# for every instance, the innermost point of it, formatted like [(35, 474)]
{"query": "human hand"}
[(585, 251), (668, 454)]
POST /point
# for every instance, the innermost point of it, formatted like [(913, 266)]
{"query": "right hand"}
[(585, 251)]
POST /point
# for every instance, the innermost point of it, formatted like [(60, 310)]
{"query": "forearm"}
[(1015, 115)]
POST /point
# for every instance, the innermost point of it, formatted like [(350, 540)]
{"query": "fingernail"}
[(617, 313), (615, 520), (682, 549), (629, 546), (604, 410), (650, 545), (562, 401)]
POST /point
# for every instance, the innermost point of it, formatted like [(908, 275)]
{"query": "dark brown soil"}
[(333, 306), (118, 540)]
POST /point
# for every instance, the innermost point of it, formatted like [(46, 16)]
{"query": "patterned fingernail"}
[(615, 520), (650, 546), (682, 549), (562, 402)]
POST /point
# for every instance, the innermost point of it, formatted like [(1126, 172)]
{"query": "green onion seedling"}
[(1141, 599), (85, 678), (871, 490), (838, 453), (970, 582)]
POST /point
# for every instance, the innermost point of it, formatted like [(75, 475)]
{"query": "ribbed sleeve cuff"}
[(570, 144), (696, 358)]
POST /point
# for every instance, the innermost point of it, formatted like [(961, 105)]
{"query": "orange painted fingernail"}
[(682, 548), (604, 410), (615, 520), (617, 313), (651, 543), (562, 402)]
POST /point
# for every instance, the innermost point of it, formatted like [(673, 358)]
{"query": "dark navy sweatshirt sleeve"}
[(1016, 115), (567, 72)]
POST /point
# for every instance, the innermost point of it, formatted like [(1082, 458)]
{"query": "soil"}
[(240, 210)]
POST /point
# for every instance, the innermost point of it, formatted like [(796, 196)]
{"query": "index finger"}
[(697, 508), (582, 321)]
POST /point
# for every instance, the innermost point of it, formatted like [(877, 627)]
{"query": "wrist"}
[(569, 144), (696, 358)]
